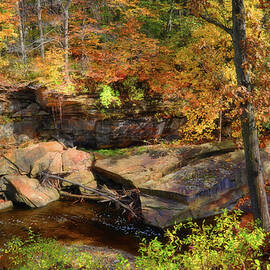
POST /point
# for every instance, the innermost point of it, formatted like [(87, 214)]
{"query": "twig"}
[(91, 197)]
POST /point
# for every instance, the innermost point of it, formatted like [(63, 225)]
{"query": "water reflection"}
[(81, 223)]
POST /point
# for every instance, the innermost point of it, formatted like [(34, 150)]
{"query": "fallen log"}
[(108, 197)]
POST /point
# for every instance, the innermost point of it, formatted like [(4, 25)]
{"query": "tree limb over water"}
[(107, 196)]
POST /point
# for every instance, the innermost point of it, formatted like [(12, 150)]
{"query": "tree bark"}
[(20, 7), (220, 127), (169, 22), (254, 168), (66, 37), (41, 36)]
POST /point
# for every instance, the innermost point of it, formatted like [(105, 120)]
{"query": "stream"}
[(81, 223)]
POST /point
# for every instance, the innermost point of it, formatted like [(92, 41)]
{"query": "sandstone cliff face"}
[(29, 111)]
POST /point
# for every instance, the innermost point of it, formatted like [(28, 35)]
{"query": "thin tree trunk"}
[(220, 127), (249, 130), (41, 37), (20, 7), (169, 23), (66, 37), (83, 56), (254, 168)]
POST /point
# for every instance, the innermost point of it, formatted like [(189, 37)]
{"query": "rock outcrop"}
[(182, 182), (5, 204), (29, 191), (174, 182), (19, 169), (29, 111)]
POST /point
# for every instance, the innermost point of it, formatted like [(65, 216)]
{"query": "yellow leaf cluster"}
[(207, 69), (7, 22), (52, 74)]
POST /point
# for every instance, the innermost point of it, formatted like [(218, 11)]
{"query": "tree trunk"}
[(66, 37), (40, 30), (169, 22), (254, 168), (83, 56), (220, 127), (20, 6)]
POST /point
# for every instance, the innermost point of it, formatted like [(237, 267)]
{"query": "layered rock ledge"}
[(32, 111), (173, 182), (182, 182)]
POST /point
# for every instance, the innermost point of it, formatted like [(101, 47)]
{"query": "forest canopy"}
[(130, 49)]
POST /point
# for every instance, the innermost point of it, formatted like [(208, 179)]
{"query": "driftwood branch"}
[(109, 197), (83, 196)]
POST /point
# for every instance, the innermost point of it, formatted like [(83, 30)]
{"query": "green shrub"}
[(226, 245), (37, 253), (109, 97), (121, 151), (134, 93)]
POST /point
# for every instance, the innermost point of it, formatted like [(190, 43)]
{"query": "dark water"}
[(79, 223)]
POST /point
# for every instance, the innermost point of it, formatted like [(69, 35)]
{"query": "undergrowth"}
[(37, 253), (121, 151), (224, 245)]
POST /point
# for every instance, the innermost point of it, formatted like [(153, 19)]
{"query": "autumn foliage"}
[(164, 48)]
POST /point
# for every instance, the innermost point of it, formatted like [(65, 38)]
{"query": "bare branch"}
[(103, 194), (83, 196), (217, 23)]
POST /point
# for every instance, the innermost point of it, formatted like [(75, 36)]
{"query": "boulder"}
[(85, 178), (45, 156), (51, 161), (155, 162), (76, 160), (16, 166), (22, 189), (182, 182), (7, 167), (5, 204), (162, 212), (50, 146), (215, 173), (136, 169), (24, 160)]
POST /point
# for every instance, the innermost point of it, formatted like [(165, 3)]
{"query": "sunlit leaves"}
[(53, 75), (114, 40), (7, 21)]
